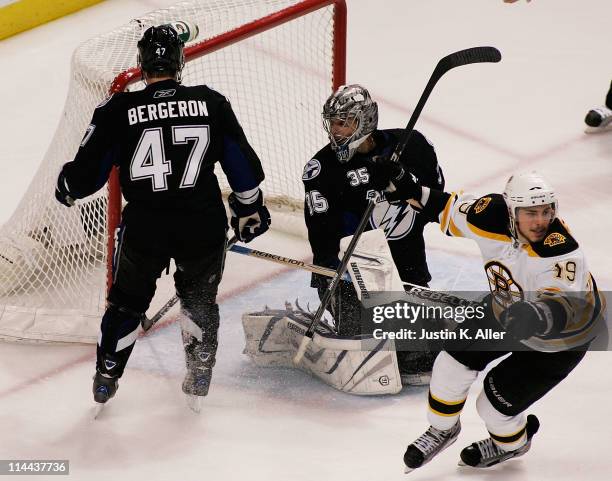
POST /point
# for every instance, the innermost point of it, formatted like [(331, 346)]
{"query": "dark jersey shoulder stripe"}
[(490, 214), (557, 242)]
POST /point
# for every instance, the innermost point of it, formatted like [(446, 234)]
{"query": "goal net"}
[(276, 60)]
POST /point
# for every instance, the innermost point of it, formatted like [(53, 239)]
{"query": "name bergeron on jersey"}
[(164, 110)]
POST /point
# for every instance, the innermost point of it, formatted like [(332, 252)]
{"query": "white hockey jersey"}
[(554, 267)]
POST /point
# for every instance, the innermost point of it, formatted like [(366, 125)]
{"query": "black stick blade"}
[(472, 55)]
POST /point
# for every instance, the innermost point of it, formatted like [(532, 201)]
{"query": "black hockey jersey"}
[(337, 195), (165, 140)]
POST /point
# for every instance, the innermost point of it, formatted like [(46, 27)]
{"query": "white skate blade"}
[(407, 470), (98, 408), (195, 402)]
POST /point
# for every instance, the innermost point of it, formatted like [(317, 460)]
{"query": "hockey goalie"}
[(358, 364)]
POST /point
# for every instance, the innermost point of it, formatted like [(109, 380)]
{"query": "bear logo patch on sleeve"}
[(482, 204), (554, 239)]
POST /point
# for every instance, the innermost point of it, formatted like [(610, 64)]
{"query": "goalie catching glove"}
[(394, 180), (249, 220)]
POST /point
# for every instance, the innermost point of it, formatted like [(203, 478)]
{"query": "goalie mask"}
[(349, 109), (160, 51), (527, 189)]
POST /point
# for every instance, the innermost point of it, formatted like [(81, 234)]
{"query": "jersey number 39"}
[(149, 160)]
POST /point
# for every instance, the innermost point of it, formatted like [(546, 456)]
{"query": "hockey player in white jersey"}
[(543, 295)]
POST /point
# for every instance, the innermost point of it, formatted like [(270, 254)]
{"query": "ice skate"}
[(200, 362), (598, 120), (104, 388), (429, 444), (195, 386), (485, 453)]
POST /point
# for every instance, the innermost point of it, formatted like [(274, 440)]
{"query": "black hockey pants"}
[(146, 241)]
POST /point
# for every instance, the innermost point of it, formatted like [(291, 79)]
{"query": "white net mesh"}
[(52, 259)]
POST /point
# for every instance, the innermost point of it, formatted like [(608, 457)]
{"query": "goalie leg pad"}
[(273, 337)]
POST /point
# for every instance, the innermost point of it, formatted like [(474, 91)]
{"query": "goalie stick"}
[(147, 323), (456, 59)]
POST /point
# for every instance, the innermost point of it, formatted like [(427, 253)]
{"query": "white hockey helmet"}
[(527, 189), (350, 103)]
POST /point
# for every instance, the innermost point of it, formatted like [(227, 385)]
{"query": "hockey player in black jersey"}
[(542, 294), (338, 182), (165, 141)]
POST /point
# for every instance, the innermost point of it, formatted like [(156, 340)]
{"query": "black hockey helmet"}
[(160, 50)]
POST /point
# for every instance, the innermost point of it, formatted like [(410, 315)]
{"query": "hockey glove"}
[(248, 220), (394, 180), (525, 319), (62, 194), (383, 171)]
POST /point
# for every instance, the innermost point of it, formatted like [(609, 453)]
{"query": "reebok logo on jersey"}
[(554, 239), (311, 169), (164, 93), (482, 204)]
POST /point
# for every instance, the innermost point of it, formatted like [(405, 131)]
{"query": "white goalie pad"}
[(352, 365), (371, 266)]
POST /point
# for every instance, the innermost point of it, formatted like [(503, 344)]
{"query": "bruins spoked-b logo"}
[(504, 288)]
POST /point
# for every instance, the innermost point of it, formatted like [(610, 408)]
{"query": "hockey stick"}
[(411, 289), (329, 292), (287, 261), (456, 59), (149, 323)]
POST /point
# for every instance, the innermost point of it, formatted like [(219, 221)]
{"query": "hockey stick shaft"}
[(325, 271), (329, 292), (456, 59), (286, 261), (149, 323)]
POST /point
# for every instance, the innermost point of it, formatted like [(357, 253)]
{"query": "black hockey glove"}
[(393, 179), (62, 194), (383, 171), (525, 319), (248, 220)]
